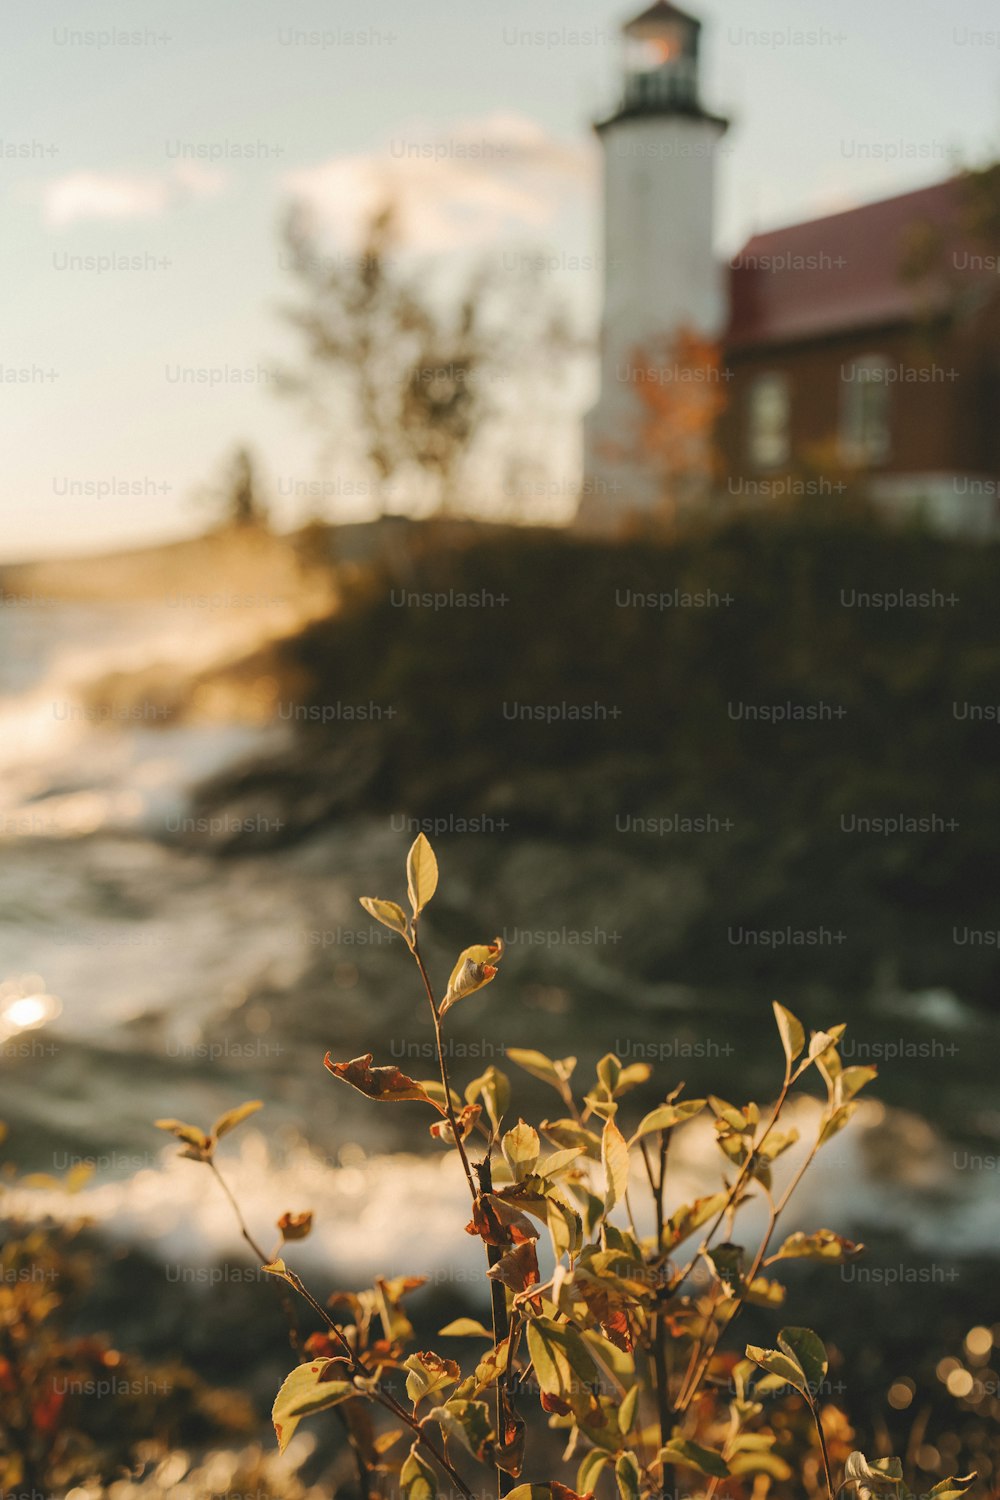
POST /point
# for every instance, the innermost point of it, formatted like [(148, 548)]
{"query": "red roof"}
[(840, 273)]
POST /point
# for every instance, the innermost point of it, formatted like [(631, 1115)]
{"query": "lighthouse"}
[(659, 149)]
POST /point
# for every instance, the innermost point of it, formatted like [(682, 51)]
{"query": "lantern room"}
[(661, 60)]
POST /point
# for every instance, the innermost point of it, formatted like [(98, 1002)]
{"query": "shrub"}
[(615, 1331), (74, 1408)]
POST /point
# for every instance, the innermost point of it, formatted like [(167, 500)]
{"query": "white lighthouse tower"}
[(660, 273)]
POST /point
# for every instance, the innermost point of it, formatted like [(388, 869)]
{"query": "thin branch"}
[(741, 1177), (357, 1368), (822, 1446), (443, 1064), (484, 1178), (776, 1209)]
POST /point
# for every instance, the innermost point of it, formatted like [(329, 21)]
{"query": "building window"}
[(865, 436), (770, 413)]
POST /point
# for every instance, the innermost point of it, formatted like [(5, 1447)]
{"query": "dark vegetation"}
[(660, 688)]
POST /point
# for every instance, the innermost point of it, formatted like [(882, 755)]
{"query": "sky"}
[(149, 150)]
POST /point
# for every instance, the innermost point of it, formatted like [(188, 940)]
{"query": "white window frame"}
[(866, 412), (769, 441)]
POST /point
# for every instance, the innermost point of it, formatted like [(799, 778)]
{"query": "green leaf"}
[(728, 1262), (822, 1244), (951, 1489), (539, 1066), (791, 1031), (691, 1455), (691, 1216), (666, 1116), (544, 1358), (785, 1369), (591, 1467), (614, 1155), (620, 1362), (234, 1117), (733, 1117), (632, 1076), (820, 1041), (854, 1079), (627, 1476), (465, 1328), (428, 1374), (877, 1477), (493, 1087), (417, 1480), (521, 1147), (192, 1135), (387, 912), (609, 1071), (565, 1227), (836, 1122), (760, 1462), (764, 1293), (305, 1391), (626, 1412), (807, 1348), (466, 1421), (563, 1364), (558, 1161), (567, 1133), (476, 966), (553, 1491), (489, 1369), (777, 1141), (421, 873)]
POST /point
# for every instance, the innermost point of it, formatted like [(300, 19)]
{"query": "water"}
[(148, 977)]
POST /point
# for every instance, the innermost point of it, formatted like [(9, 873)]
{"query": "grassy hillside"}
[(453, 710)]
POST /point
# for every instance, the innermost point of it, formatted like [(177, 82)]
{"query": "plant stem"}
[(662, 1388), (244, 1231), (741, 1177), (656, 1185), (484, 1175), (776, 1209), (498, 1308), (661, 1182), (703, 1354), (287, 1305), (357, 1368), (822, 1445), (443, 1064)]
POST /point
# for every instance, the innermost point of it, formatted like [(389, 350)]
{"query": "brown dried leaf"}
[(441, 1129), (388, 1085), (295, 1226), (517, 1268)]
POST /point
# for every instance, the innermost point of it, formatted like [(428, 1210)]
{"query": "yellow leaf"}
[(614, 1155), (234, 1117), (387, 912), (307, 1389), (421, 873), (191, 1134), (476, 966)]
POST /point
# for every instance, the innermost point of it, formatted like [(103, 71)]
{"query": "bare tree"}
[(237, 498), (433, 379)]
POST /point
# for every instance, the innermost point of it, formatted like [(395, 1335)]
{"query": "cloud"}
[(452, 188), (199, 181), (109, 195)]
